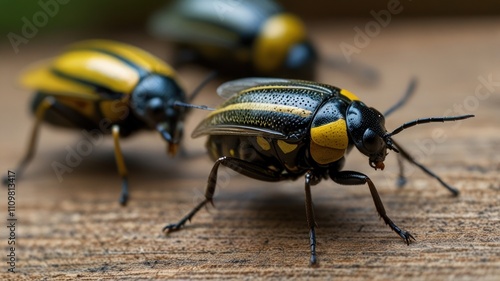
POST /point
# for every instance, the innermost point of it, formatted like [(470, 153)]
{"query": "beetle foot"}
[(123, 199), (172, 227), (401, 181), (407, 236), (188, 217)]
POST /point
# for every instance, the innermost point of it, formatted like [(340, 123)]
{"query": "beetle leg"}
[(120, 163), (311, 222), (241, 166), (42, 108), (211, 76), (401, 177), (410, 159), (356, 178), (404, 99)]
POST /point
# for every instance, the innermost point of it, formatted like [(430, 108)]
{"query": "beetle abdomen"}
[(271, 154)]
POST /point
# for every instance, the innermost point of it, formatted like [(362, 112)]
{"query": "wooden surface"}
[(75, 228)]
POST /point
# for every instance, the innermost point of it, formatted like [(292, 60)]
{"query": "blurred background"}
[(105, 18), (94, 15)]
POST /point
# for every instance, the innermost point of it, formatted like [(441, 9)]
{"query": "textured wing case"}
[(278, 109)]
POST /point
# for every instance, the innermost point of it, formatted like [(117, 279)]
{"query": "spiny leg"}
[(241, 166), (410, 159), (410, 90), (120, 163), (356, 178), (209, 193), (41, 109), (311, 222), (210, 76)]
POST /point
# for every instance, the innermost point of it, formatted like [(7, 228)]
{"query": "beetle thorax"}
[(329, 138)]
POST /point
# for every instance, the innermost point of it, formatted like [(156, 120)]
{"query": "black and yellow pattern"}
[(107, 86), (277, 129), (280, 122), (244, 37), (92, 77)]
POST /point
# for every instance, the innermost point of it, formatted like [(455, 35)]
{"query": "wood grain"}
[(76, 229)]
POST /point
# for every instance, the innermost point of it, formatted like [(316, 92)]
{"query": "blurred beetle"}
[(242, 38), (110, 87)]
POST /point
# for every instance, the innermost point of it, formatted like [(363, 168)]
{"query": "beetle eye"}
[(371, 141), (155, 108)]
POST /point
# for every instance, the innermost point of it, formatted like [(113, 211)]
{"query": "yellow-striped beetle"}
[(237, 37), (109, 86), (278, 129)]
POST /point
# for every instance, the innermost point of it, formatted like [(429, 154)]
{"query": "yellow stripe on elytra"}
[(42, 79), (348, 95), (274, 87), (265, 107), (138, 56), (98, 68)]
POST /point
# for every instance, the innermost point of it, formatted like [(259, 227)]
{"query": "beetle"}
[(243, 38), (280, 129), (107, 87)]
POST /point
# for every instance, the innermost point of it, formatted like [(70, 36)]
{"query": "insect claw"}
[(407, 237), (171, 227)]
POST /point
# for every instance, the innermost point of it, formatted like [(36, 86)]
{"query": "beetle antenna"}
[(211, 76), (426, 170), (390, 144), (196, 92), (409, 92), (424, 121), (365, 73), (188, 105)]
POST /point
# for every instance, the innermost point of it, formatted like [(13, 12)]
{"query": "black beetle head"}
[(153, 101), (366, 127)]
